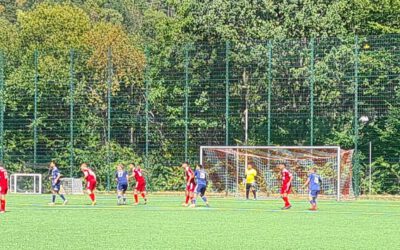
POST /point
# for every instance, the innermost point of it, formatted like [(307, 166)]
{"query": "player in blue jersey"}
[(56, 184), (121, 176), (201, 177), (314, 187)]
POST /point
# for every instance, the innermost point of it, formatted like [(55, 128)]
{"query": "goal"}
[(72, 185), (26, 183), (226, 169)]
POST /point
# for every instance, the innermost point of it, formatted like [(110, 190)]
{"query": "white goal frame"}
[(37, 183), (337, 148)]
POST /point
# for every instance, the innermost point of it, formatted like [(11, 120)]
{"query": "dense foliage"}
[(115, 48)]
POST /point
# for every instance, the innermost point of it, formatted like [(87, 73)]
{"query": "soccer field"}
[(229, 224)]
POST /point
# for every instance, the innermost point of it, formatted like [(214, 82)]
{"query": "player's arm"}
[(57, 178), (306, 183), (290, 181), (133, 175)]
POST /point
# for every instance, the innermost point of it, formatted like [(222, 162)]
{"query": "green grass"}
[(229, 224)]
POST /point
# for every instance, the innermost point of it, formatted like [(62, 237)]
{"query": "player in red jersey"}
[(190, 183), (90, 178), (3, 188), (140, 187), (287, 178)]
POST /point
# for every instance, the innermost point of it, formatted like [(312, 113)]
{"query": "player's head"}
[(281, 166), (313, 169), (52, 164), (185, 164), (84, 166), (131, 165), (199, 166), (250, 165), (120, 167)]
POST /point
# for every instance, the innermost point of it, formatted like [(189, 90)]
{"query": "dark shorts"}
[(122, 187), (314, 193), (250, 185), (201, 189), (56, 187)]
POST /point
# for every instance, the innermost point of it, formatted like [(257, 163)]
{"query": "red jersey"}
[(89, 175), (189, 173), (137, 173), (286, 176), (3, 177)]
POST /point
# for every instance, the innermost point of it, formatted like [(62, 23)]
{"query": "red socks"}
[(187, 199), (144, 196), (92, 197), (286, 200), (136, 198), (3, 205)]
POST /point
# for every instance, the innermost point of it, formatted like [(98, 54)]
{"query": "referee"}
[(251, 174)]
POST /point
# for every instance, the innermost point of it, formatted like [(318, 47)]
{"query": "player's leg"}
[(143, 194), (253, 189), (314, 200), (247, 190), (90, 188), (2, 202), (53, 196), (142, 189), (135, 194), (284, 192), (194, 195), (119, 195), (187, 195), (124, 188), (202, 195), (58, 189)]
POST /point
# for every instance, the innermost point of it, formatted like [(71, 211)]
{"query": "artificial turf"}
[(228, 224)]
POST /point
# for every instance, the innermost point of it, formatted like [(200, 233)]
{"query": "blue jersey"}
[(315, 182), (122, 177), (54, 174), (201, 177)]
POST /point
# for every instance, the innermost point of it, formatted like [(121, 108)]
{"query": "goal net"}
[(26, 183), (72, 185), (226, 168)]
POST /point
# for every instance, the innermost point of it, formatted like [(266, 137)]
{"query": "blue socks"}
[(62, 197), (53, 198)]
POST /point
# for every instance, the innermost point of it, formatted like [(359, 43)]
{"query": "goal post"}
[(226, 167), (23, 183), (72, 185)]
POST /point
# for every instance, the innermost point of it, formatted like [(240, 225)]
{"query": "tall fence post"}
[(227, 49), (186, 100), (312, 80), (356, 135), (109, 82), (146, 79), (269, 91), (2, 105), (35, 121), (71, 112)]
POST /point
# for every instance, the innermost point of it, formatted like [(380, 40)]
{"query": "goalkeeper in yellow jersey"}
[(251, 174)]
